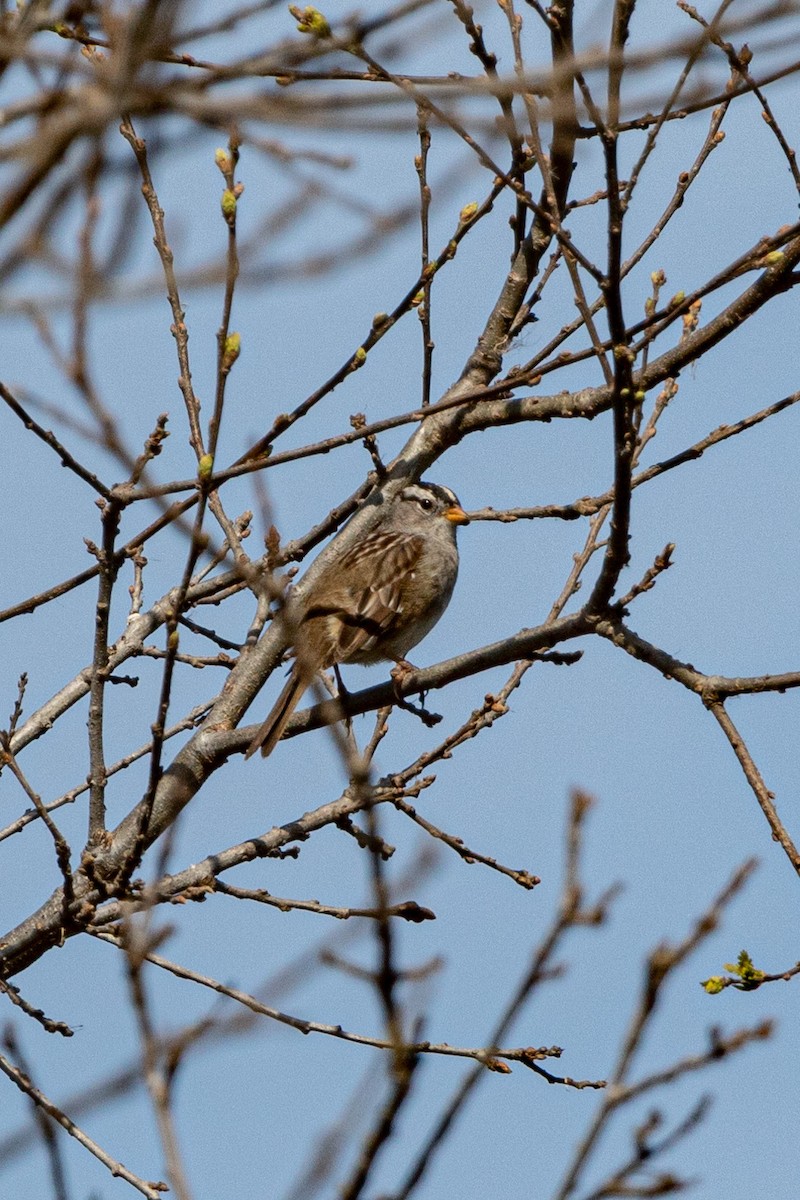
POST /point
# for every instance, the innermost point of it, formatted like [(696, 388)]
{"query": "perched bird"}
[(376, 601)]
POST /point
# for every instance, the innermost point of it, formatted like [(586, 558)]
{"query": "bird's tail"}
[(271, 731)]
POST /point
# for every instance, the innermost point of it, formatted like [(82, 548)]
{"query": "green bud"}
[(228, 204), (233, 346), (311, 21)]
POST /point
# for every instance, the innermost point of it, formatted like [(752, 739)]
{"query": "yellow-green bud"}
[(205, 466), (222, 160), (233, 346), (468, 212), (228, 204), (310, 20), (714, 985)]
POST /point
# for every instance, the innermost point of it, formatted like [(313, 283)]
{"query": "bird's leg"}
[(339, 681), (401, 673), (343, 694)]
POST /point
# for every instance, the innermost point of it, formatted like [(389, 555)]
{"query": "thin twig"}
[(153, 1191)]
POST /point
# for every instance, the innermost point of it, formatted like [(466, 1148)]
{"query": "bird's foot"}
[(401, 673)]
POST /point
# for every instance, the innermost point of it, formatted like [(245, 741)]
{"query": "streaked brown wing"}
[(370, 604)]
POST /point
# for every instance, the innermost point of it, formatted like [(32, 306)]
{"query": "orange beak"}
[(456, 514)]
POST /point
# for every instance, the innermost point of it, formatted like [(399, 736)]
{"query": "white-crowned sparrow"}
[(377, 600)]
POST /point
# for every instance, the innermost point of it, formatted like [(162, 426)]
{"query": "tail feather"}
[(271, 731)]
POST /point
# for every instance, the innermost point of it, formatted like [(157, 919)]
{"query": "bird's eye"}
[(426, 504)]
